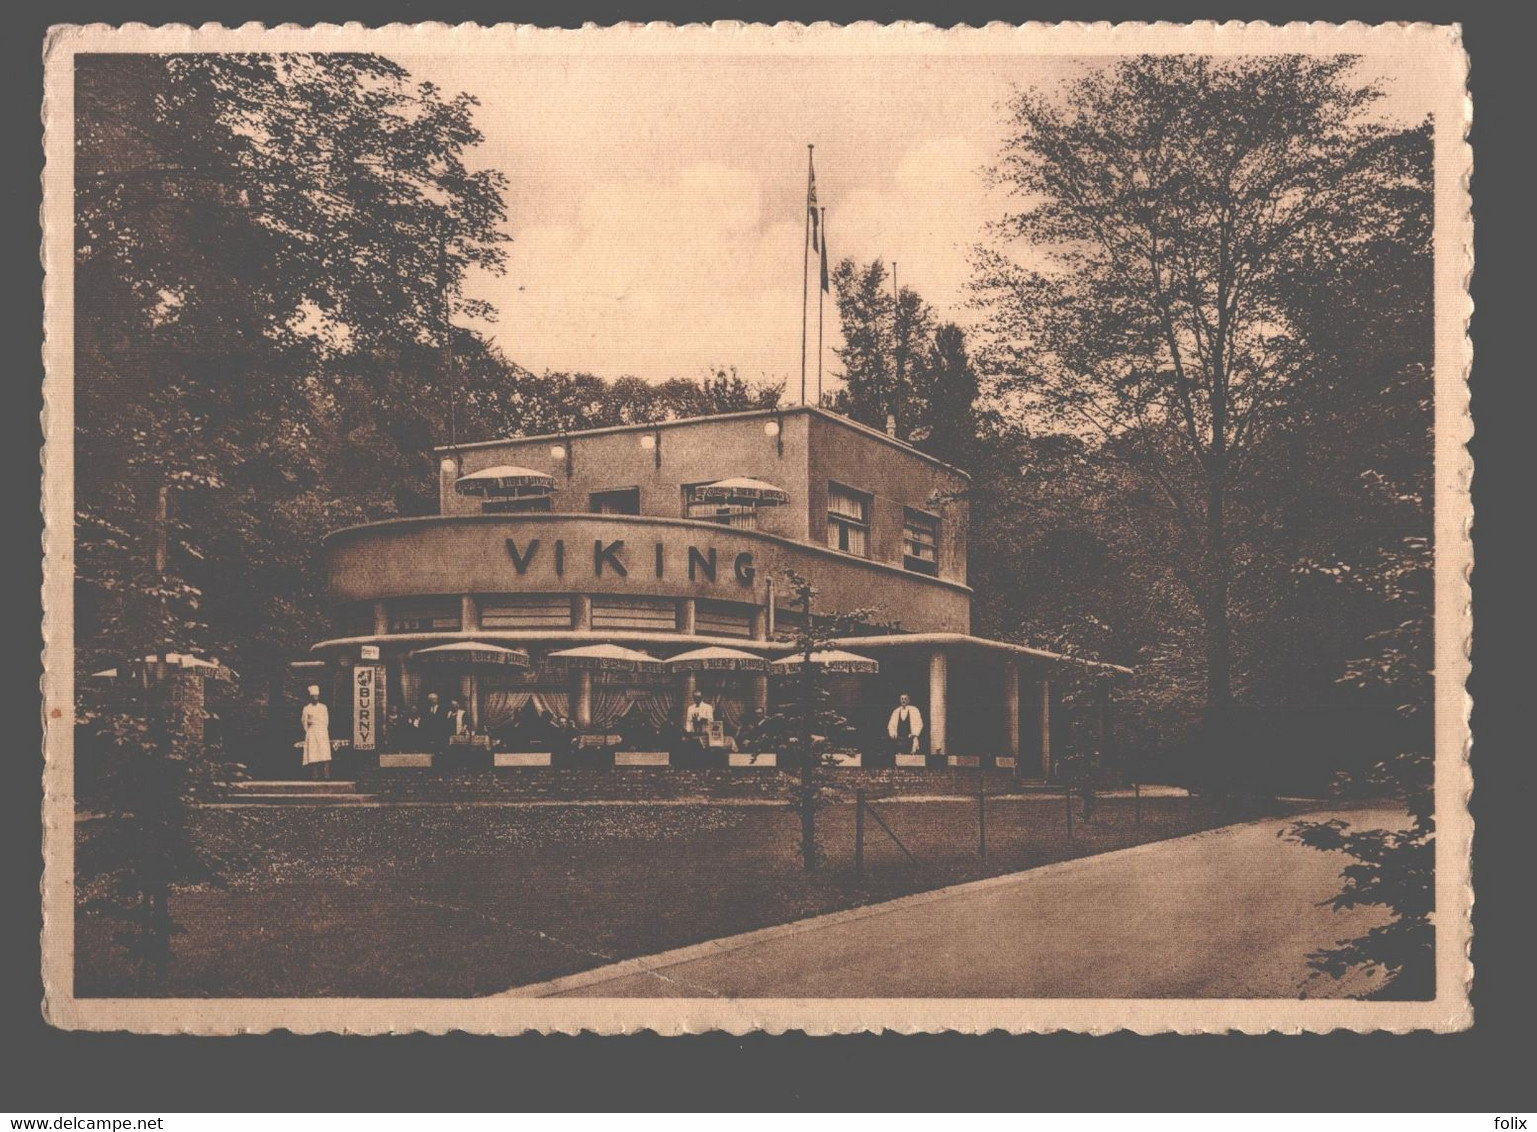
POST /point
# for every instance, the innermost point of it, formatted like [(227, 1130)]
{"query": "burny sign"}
[(608, 558)]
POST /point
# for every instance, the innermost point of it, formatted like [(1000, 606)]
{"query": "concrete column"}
[(686, 616), (759, 625), (760, 693), (581, 698), (690, 683), (1045, 721), (469, 614), (381, 619), (581, 613), (1011, 711), (939, 670)]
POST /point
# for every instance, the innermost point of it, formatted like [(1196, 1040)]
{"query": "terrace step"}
[(298, 786), (255, 798)]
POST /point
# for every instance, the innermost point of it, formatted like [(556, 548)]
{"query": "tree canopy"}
[(1178, 213)]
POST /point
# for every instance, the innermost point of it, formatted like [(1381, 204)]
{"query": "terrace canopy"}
[(505, 481), (742, 490), (829, 660)]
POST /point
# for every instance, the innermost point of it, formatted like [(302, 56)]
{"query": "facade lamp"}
[(652, 442)]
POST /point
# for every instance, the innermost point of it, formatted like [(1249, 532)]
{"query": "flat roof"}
[(746, 414)]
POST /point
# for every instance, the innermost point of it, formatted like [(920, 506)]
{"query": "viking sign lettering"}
[(608, 560)]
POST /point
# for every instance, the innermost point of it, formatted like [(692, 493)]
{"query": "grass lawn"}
[(457, 900)]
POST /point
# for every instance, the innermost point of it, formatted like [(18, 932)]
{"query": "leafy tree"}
[(1179, 206), (812, 725), (882, 334), (269, 250)]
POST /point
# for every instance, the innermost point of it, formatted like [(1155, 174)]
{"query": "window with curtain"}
[(848, 520), (920, 542)]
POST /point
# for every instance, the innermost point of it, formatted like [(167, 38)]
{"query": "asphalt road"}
[(1231, 913)]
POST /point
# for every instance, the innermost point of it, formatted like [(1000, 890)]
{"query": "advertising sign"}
[(366, 707)]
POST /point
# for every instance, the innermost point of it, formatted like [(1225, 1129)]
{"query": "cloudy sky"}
[(656, 201)]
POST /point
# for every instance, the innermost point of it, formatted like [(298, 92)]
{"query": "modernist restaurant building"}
[(666, 539)]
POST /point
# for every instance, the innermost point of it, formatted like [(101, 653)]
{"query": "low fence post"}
[(1067, 798), (981, 811), (1136, 794), (859, 836)]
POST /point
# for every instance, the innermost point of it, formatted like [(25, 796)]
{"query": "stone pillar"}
[(690, 684), (469, 614), (381, 619), (686, 616), (467, 696), (939, 669), (581, 698), (760, 693), (581, 613), (1011, 711), (1045, 721), (759, 624)]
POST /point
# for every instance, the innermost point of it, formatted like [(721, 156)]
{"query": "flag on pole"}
[(811, 207), (824, 248)]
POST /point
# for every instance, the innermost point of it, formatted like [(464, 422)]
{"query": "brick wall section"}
[(654, 783)]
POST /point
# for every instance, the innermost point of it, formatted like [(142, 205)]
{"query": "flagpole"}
[(896, 345), (821, 300), (805, 247)]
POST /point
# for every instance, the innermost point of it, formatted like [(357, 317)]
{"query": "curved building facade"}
[(666, 538)]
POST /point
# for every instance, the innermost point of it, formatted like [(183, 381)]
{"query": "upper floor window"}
[(848, 520), (515, 506), (726, 514), (619, 501), (920, 542), (425, 615)]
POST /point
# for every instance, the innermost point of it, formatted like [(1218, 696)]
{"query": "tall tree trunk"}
[(1219, 569)]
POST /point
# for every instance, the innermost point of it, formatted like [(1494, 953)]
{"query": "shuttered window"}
[(525, 613), (432, 616), (920, 542), (718, 619), (637, 614), (848, 520)]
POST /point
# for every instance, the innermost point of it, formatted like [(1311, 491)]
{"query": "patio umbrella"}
[(716, 659), (740, 489), (476, 653), (829, 660), (505, 481), (606, 658)]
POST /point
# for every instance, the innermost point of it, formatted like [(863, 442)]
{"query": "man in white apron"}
[(317, 735), (905, 727)]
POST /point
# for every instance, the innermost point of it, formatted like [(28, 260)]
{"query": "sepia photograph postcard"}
[(822, 528)]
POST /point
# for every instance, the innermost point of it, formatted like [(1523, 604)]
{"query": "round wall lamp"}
[(449, 466), (770, 428), (557, 451), (648, 441)]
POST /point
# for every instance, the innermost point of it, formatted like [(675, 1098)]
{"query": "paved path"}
[(1231, 913)]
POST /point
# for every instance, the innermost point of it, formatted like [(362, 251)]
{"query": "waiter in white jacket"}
[(905, 726)]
